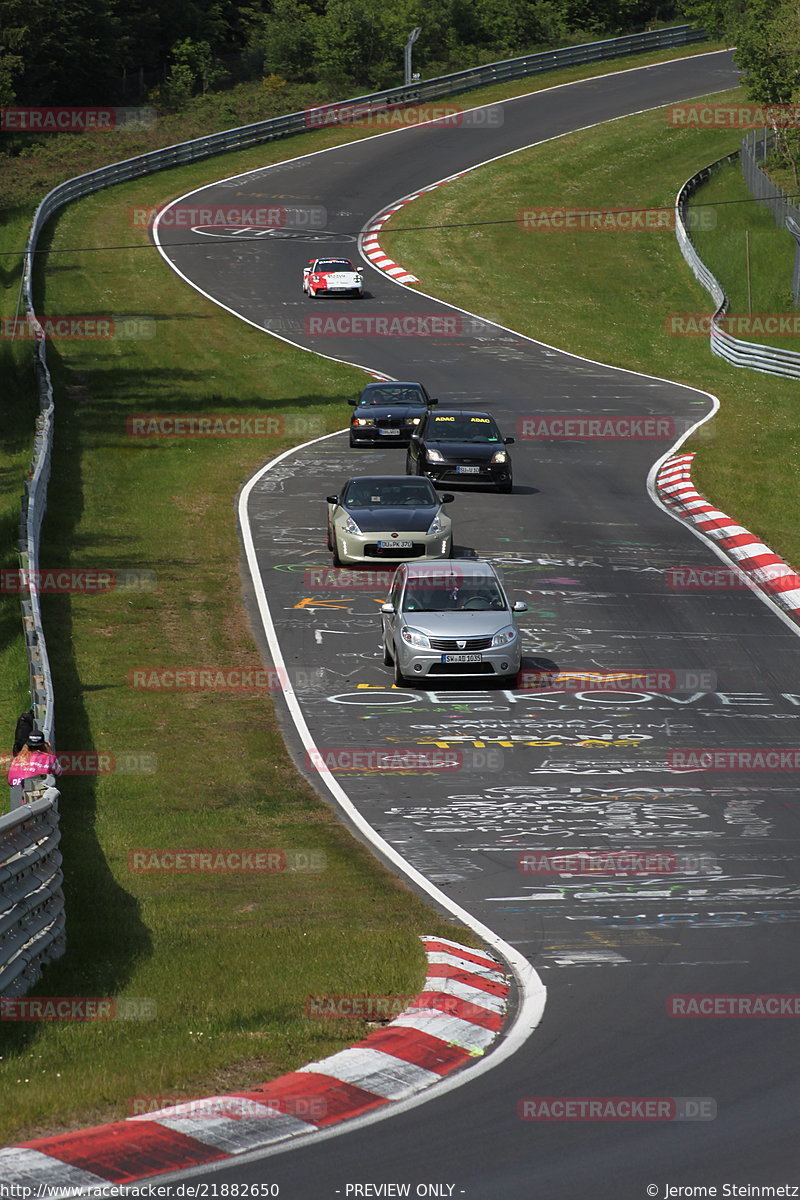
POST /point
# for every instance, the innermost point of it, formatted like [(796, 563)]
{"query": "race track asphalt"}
[(583, 543)]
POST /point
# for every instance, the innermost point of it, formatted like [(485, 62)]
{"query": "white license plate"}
[(389, 432), (394, 545), (468, 470), (462, 658)]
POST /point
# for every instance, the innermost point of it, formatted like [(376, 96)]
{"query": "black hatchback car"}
[(460, 446), (388, 413)]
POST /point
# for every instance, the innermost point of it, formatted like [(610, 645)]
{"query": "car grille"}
[(469, 646), (375, 551), (484, 668)]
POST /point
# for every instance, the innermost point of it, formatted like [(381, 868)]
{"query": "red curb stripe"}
[(341, 1099), (417, 1047), (127, 1150), (446, 971), (742, 539), (676, 489), (465, 1010), (473, 956), (786, 583)]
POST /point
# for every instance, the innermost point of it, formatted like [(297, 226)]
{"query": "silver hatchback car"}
[(450, 619)]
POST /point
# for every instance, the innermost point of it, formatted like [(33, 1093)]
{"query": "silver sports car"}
[(446, 619), (388, 517)]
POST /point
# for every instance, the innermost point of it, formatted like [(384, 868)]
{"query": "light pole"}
[(412, 37)]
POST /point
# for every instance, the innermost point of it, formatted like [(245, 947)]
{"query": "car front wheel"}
[(398, 676)]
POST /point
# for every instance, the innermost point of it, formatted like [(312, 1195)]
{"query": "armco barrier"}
[(35, 498), (768, 359), (31, 899)]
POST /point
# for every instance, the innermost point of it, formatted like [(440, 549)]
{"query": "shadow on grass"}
[(105, 933)]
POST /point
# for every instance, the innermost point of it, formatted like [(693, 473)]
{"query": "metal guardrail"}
[(770, 360), (50, 938), (31, 900)]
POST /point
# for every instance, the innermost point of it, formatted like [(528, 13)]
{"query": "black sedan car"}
[(459, 446), (388, 413)]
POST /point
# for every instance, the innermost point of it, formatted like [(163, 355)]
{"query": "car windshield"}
[(462, 428), (386, 493), (470, 594), (334, 264), (393, 395)]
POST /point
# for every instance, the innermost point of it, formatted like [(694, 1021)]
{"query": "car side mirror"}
[(519, 606), (508, 441), (332, 499), (433, 401), (447, 498), (353, 402), (387, 608)]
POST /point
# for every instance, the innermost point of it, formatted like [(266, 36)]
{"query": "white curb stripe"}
[(375, 1071)]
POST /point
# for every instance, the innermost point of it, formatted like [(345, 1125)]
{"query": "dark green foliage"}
[(118, 51)]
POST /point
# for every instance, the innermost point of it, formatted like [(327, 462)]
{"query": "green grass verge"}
[(227, 961), (608, 295)]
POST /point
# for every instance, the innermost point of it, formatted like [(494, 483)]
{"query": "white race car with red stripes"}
[(331, 277)]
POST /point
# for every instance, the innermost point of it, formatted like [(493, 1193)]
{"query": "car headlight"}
[(351, 527), (434, 456), (412, 637), (499, 456), (437, 525), (363, 421), (413, 420), (504, 636)]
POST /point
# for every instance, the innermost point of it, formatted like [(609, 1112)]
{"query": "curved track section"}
[(539, 770)]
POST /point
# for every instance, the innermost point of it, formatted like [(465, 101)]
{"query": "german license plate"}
[(394, 545), (462, 658), (468, 470), (389, 432)]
